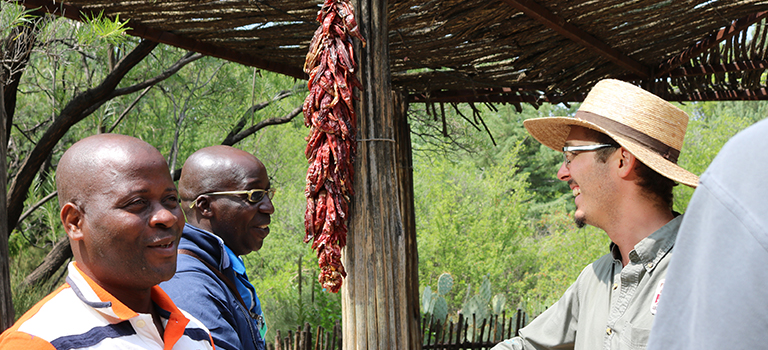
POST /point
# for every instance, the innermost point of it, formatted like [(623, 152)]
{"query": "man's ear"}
[(627, 162), (72, 218), (203, 204)]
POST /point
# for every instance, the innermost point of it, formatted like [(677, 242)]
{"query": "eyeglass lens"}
[(255, 196), (568, 157)]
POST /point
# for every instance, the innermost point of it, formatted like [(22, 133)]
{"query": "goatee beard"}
[(579, 222)]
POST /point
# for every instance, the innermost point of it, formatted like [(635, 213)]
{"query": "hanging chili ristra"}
[(332, 141)]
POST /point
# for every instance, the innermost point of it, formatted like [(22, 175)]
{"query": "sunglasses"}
[(254, 196)]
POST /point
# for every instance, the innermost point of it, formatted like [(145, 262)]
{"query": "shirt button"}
[(649, 265), (615, 285), (609, 331), (141, 323)]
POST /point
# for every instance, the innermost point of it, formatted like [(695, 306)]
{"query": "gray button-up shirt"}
[(609, 306)]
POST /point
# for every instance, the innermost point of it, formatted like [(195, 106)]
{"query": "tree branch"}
[(129, 108), (188, 58), (259, 106), (235, 137), (52, 262), (173, 69), (69, 116), (271, 121), (37, 205), (16, 49)]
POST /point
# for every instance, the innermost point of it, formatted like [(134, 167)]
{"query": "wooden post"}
[(7, 314), (411, 307), (377, 298)]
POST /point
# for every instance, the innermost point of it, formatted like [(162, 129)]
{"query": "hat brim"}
[(553, 131)]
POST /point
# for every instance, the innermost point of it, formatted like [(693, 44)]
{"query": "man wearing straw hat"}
[(621, 152)]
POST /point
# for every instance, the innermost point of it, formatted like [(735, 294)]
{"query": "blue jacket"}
[(197, 290)]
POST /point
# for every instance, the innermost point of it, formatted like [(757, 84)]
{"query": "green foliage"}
[(101, 28), (12, 16), (712, 125), (477, 309), (561, 251), (23, 262), (470, 221), (289, 301)]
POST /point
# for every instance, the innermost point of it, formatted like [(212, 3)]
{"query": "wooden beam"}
[(705, 44), (497, 95), (165, 37), (560, 25), (466, 96), (705, 69), (728, 95), (477, 92)]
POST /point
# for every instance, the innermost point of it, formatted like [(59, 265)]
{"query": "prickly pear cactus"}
[(444, 284), (434, 303), (485, 291), (441, 309), (497, 303), (427, 302)]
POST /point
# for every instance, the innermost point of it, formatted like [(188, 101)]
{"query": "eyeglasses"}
[(254, 196), (569, 152)]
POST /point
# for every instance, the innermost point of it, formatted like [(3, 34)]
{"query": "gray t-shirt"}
[(608, 307), (717, 295)]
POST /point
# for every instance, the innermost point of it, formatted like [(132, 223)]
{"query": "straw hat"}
[(649, 127)]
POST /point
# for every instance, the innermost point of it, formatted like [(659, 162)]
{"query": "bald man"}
[(226, 197), (120, 209)]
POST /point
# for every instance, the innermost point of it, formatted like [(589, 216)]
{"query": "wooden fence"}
[(303, 339), (463, 334), (442, 335)]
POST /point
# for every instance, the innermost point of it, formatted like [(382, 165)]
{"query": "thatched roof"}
[(489, 50)]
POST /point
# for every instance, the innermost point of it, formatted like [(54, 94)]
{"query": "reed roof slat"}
[(439, 46)]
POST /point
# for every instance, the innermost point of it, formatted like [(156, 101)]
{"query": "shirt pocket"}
[(636, 338)]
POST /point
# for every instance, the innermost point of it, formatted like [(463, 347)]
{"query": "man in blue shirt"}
[(227, 200)]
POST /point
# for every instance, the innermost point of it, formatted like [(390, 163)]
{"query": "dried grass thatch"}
[(490, 50)]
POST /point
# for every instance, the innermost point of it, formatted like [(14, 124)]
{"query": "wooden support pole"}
[(379, 304), (6, 297), (411, 308)]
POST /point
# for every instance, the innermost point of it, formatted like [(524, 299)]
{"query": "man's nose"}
[(563, 173), (163, 217), (265, 206)]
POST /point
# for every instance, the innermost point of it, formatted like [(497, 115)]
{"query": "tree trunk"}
[(376, 309), (7, 314), (58, 255)]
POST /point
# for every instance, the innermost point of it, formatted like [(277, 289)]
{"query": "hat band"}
[(611, 125)]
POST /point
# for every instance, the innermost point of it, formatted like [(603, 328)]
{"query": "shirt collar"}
[(236, 262), (650, 250), (225, 251), (93, 295)]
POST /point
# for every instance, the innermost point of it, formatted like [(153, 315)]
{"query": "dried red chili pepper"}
[(332, 143)]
